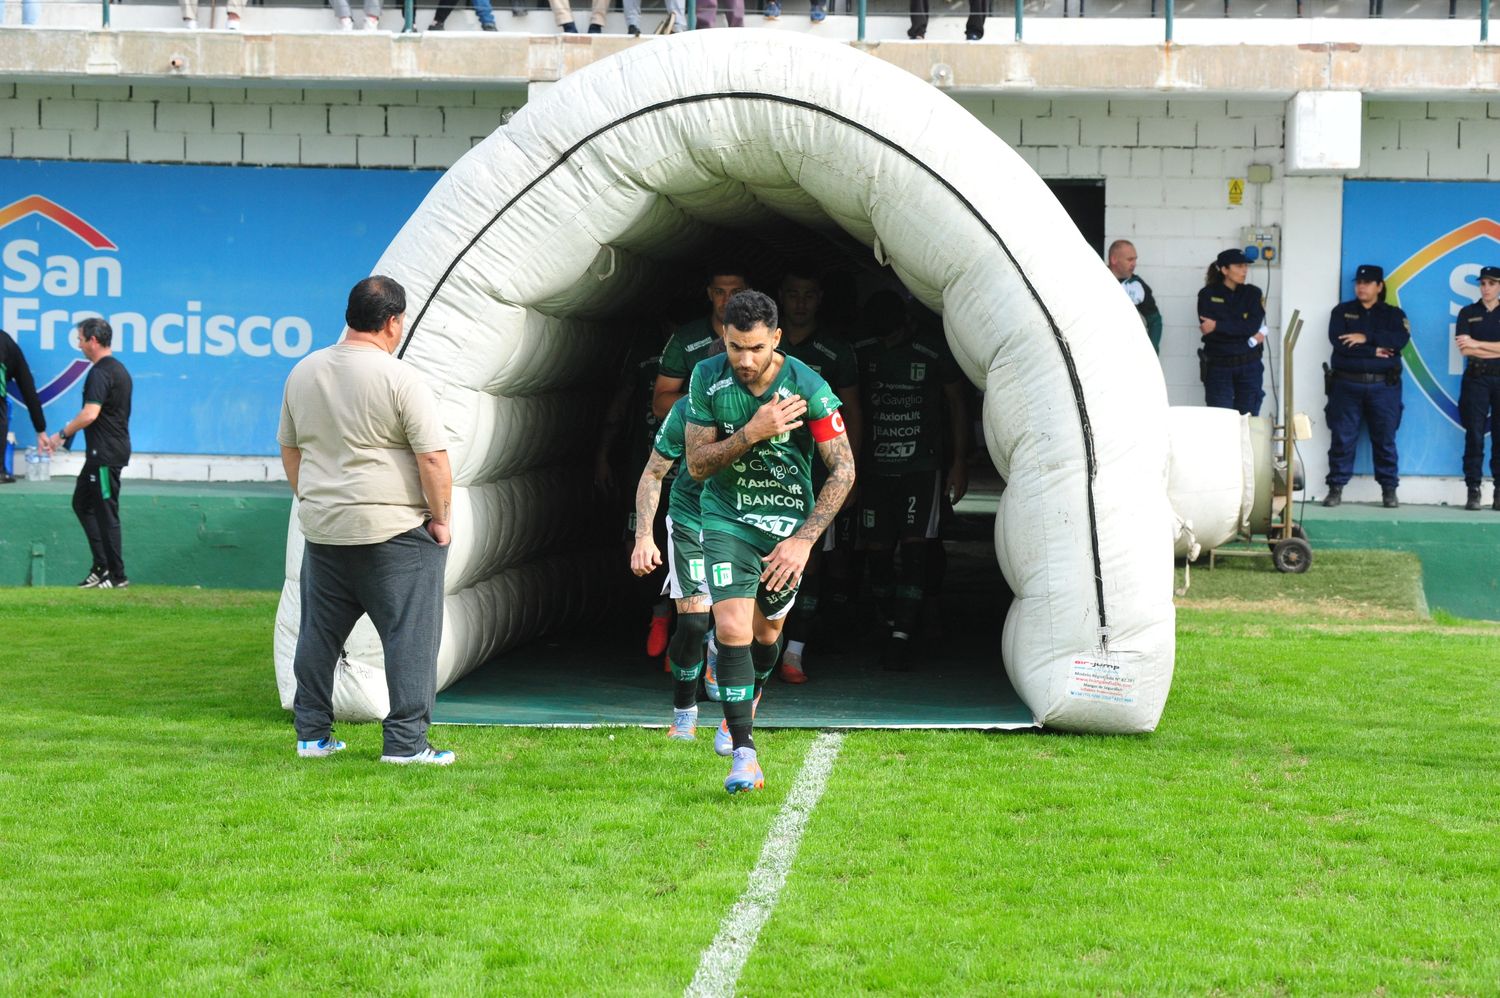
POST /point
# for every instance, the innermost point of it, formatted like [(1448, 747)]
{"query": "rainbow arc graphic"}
[(35, 204), (1413, 265)]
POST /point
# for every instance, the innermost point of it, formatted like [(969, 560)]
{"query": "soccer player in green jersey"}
[(686, 581), (693, 341), (754, 418), (832, 358), (917, 414)]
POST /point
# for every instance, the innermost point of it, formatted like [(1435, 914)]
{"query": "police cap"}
[(1231, 256), (1368, 272), (1489, 273)]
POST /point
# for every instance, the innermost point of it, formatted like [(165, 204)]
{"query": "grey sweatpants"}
[(399, 583)]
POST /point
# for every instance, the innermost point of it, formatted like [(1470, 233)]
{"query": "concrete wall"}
[(254, 126), (1166, 164)]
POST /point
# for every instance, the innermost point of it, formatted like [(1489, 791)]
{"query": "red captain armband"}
[(830, 426)]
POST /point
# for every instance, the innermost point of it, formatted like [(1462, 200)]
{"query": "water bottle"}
[(44, 466), (33, 464)]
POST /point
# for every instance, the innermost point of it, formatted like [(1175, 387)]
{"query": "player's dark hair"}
[(724, 269), (750, 308), (373, 302), (96, 329), (803, 270), (883, 314)]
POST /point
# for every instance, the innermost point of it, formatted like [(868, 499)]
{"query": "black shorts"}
[(899, 508)]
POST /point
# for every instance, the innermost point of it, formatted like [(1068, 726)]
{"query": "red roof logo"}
[(35, 204)]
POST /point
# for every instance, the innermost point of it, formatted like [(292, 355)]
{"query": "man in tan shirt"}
[(367, 458)]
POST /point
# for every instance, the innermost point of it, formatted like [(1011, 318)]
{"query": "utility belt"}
[(1389, 377), (1478, 368), (1207, 360)]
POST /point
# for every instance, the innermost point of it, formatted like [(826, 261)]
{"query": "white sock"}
[(794, 649)]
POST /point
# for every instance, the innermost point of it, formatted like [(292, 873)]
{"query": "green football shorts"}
[(734, 566)]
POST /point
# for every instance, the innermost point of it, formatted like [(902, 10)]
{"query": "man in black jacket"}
[(13, 367)]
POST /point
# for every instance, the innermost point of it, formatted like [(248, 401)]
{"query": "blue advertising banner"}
[(217, 280), (1432, 238)]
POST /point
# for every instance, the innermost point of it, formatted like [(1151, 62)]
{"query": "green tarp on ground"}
[(604, 678)]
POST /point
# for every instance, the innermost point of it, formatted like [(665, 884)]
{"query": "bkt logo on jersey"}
[(1432, 285), (57, 269)]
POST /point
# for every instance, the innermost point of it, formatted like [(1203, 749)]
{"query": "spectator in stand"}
[(482, 10), (1232, 319), (13, 367), (564, 14), (708, 12), (817, 15), (1122, 257), (346, 22), (233, 10), (973, 27)]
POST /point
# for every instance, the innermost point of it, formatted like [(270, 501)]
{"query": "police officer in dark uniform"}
[(1232, 319), (1364, 382), (1478, 337)]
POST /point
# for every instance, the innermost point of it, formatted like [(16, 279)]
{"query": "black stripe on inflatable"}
[(1062, 344)]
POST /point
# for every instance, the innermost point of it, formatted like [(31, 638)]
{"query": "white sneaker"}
[(189, 24), (346, 24), (428, 756), (372, 23), (232, 23), (320, 748)]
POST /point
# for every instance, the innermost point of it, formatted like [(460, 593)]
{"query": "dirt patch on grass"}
[(1332, 608)]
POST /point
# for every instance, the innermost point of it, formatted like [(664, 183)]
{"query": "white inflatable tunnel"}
[(570, 213)]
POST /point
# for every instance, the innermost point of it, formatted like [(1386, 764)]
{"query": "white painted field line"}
[(719, 970)]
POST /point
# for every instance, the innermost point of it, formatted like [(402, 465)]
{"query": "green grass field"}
[(1318, 814)]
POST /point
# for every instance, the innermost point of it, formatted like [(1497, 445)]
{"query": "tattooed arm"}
[(645, 558), (707, 455), (838, 457), (785, 564)]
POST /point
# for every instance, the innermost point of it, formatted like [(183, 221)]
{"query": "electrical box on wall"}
[(1266, 239)]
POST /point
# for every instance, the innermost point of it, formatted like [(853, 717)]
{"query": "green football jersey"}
[(690, 343), (683, 501), (903, 396), (832, 358), (767, 493)]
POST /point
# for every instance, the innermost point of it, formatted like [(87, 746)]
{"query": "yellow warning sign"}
[(1236, 190)]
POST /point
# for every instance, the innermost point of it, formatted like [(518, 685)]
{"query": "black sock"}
[(908, 602), (737, 687), (763, 660), (685, 652)]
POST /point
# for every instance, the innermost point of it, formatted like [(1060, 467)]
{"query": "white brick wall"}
[(1166, 166), (1438, 140), (1165, 163), (261, 127)]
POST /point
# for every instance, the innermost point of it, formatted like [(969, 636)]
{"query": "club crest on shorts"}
[(695, 569), (723, 574), (918, 372)]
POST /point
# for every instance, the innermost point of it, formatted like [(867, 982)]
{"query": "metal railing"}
[(1169, 11)]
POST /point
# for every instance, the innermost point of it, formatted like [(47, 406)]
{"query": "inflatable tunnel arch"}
[(569, 214)]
